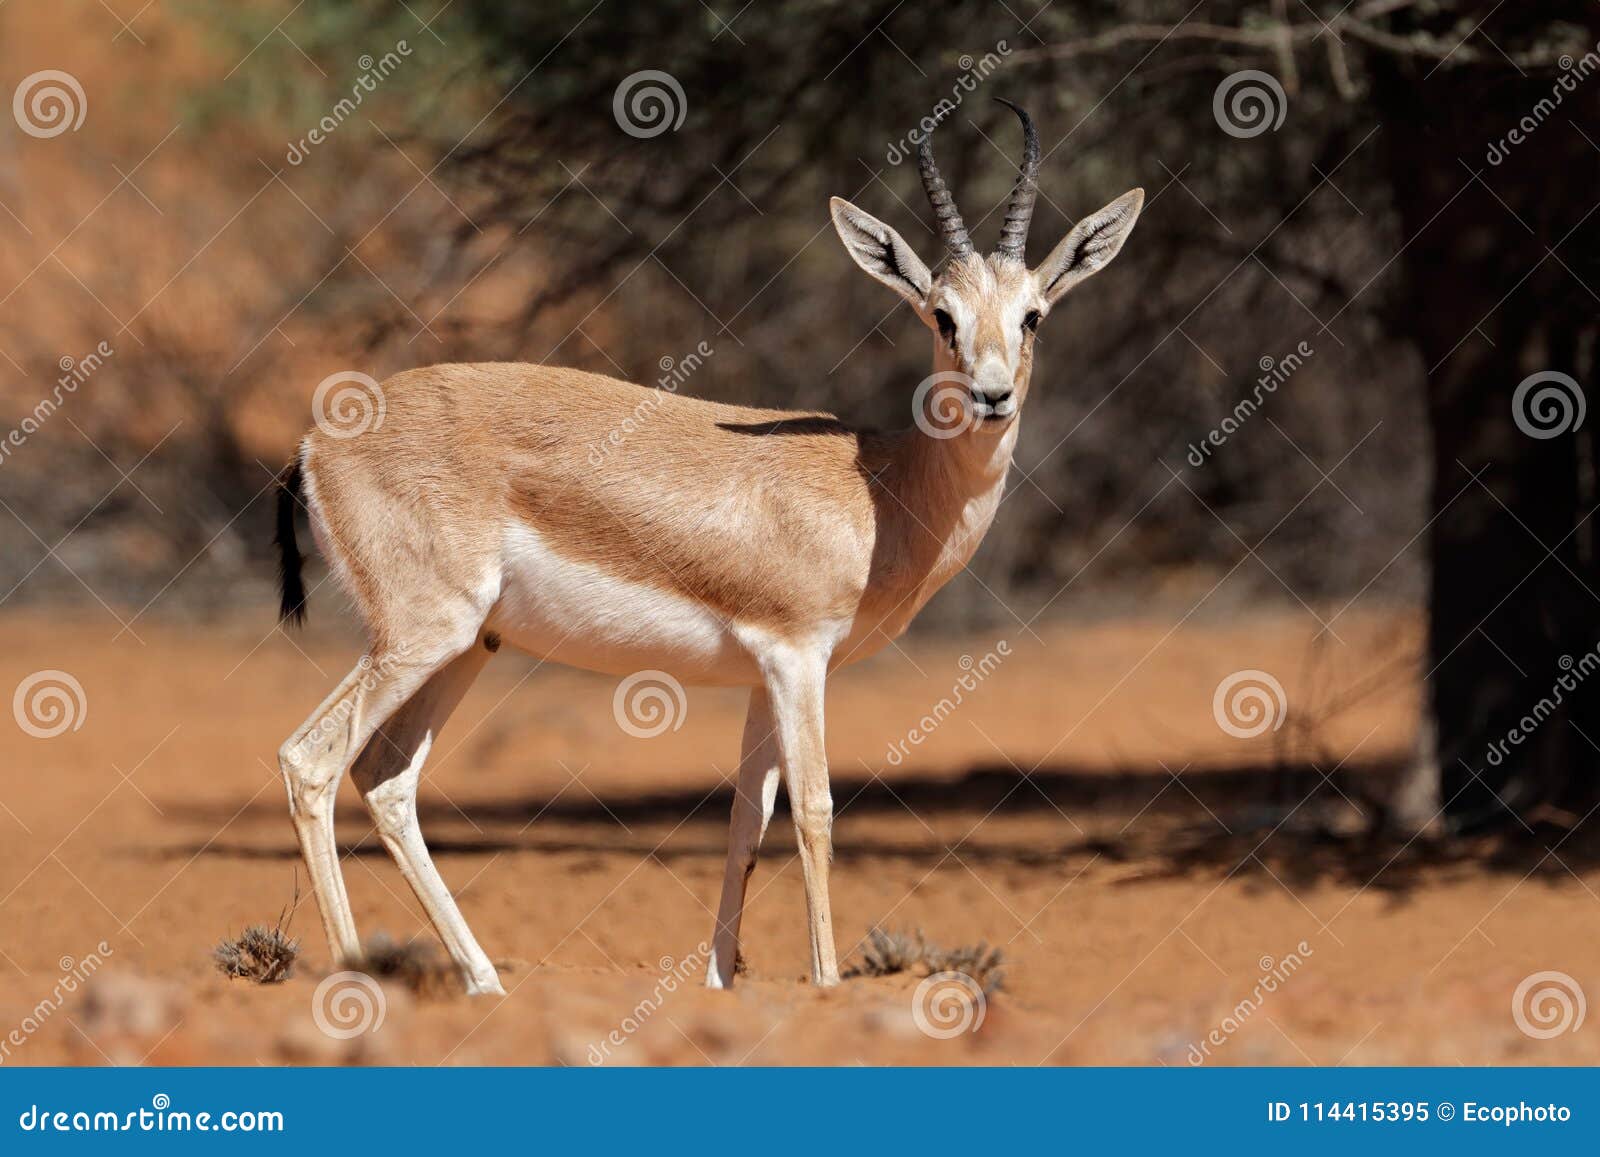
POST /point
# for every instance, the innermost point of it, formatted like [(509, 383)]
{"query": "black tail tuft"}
[(292, 604)]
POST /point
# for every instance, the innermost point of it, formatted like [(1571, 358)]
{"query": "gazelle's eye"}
[(947, 326), (1031, 321)]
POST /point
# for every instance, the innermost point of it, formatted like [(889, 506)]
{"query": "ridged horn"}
[(1019, 212), (951, 228)]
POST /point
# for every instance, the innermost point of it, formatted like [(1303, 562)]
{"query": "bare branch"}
[(1282, 37)]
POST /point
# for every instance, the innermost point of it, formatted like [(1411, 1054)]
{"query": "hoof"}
[(718, 975)]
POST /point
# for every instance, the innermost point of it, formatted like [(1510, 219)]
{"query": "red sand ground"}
[(1136, 908)]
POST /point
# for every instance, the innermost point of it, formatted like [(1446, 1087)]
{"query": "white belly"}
[(575, 613)]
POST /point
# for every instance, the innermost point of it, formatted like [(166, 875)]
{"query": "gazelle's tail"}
[(291, 586)]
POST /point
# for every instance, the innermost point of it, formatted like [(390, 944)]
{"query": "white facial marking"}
[(988, 310)]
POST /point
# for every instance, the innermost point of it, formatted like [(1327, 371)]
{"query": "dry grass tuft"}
[(264, 955), (418, 965), (984, 964), (887, 953)]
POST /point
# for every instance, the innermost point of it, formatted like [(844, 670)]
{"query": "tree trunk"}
[(1500, 280)]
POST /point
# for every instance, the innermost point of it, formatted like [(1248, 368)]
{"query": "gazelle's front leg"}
[(753, 798), (795, 681)]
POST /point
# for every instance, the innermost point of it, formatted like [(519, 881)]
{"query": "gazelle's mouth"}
[(991, 412)]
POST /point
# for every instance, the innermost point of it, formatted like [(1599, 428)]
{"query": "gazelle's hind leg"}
[(387, 775), (753, 798), (315, 758)]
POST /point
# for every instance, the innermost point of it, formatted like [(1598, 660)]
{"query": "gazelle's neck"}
[(955, 470), (937, 499)]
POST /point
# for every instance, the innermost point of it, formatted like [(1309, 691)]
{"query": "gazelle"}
[(722, 545)]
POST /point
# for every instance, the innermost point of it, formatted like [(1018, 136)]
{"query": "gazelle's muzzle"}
[(994, 395)]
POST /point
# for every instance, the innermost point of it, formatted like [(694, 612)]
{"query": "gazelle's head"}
[(984, 312)]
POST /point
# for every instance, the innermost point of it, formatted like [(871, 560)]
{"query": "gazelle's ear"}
[(1090, 246), (882, 252)]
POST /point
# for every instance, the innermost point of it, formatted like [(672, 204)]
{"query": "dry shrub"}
[(887, 953), (264, 955), (419, 966), (981, 962)]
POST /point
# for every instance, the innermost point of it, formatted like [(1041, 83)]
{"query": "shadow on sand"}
[(1298, 825)]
